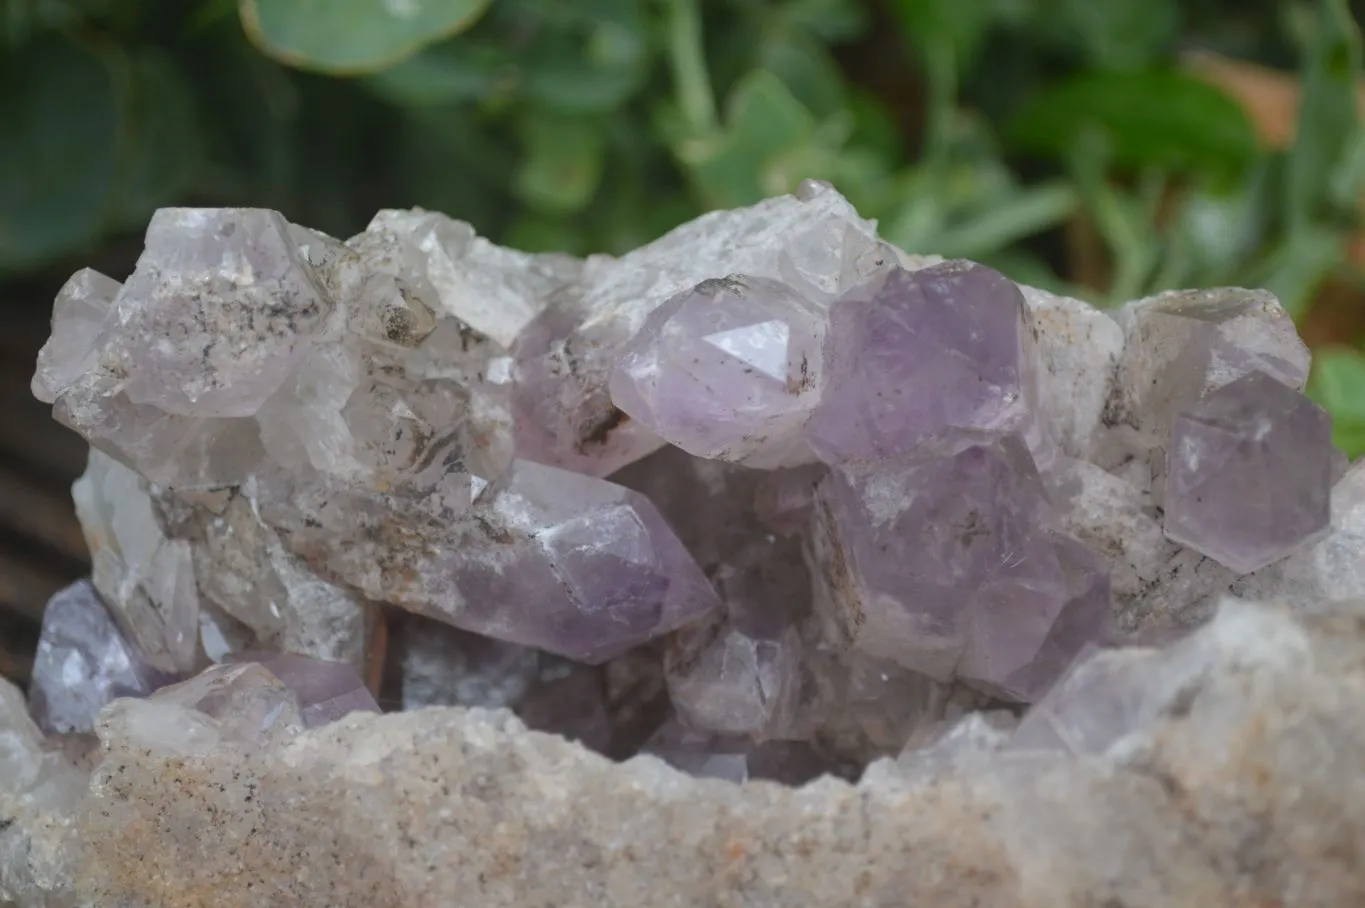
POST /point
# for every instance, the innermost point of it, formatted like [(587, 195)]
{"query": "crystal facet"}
[(729, 370), (1250, 473), (911, 355), (83, 663), (945, 564), (147, 577)]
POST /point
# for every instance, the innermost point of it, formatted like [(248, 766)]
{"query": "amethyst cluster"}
[(766, 497)]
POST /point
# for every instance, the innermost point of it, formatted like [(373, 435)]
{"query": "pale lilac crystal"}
[(911, 355), (729, 370), (78, 317), (574, 565), (564, 360), (326, 691), (1250, 472), (946, 564), (726, 680), (734, 758), (249, 704), (83, 663), (1180, 346)]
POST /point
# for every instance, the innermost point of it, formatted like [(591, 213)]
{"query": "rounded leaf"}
[(352, 36)]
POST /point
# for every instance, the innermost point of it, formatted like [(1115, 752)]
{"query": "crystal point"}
[(911, 355), (1252, 434), (83, 663), (729, 370)]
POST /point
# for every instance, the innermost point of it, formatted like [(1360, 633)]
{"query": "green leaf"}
[(58, 146), (1328, 121), (563, 163), (1111, 34), (1338, 384), (1165, 120), (806, 69), (958, 25), (160, 152), (449, 73), (1026, 213), (1295, 268), (348, 37), (763, 121)]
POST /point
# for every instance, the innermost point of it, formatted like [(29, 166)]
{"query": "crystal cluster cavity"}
[(764, 498)]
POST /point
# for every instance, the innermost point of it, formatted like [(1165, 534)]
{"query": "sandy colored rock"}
[(1243, 790)]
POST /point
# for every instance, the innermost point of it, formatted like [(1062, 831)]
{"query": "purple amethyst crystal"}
[(326, 691), (1249, 473), (728, 370), (913, 354), (83, 663), (945, 564), (576, 566)]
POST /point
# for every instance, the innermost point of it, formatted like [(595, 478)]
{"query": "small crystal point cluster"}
[(765, 498)]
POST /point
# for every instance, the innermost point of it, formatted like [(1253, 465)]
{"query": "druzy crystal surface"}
[(765, 498)]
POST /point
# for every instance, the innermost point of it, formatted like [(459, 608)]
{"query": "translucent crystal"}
[(83, 663), (783, 498), (725, 680), (326, 691), (1182, 345), (229, 299), (945, 564), (569, 700), (78, 316), (911, 355), (250, 705), (1250, 473), (573, 565), (955, 744), (564, 360), (735, 759), (146, 577), (729, 369), (243, 569), (495, 291), (1098, 702)]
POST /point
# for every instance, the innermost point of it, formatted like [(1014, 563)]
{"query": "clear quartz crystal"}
[(146, 577), (1182, 345), (78, 318)]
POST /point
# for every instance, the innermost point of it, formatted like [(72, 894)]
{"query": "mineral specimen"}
[(766, 498), (1253, 433), (945, 564), (83, 663), (729, 370), (914, 354), (326, 691), (147, 577)]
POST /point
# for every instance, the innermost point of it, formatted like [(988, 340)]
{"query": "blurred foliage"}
[(1064, 141)]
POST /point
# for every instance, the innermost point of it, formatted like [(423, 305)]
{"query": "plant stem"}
[(691, 81)]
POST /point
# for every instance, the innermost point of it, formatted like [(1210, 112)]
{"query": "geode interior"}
[(766, 498)]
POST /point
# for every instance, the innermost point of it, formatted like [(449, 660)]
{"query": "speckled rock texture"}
[(1240, 787)]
